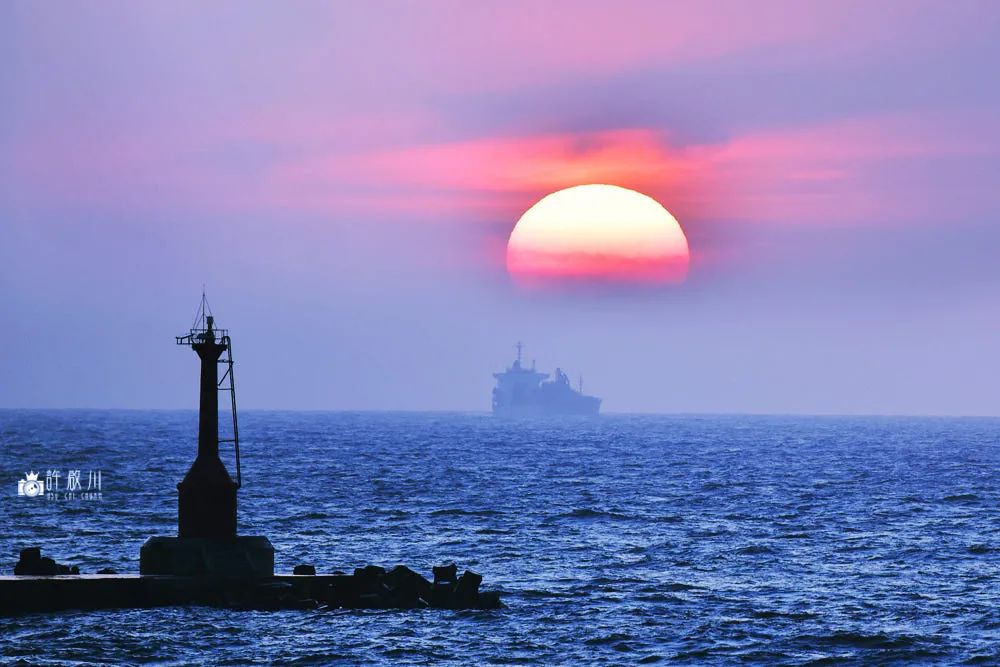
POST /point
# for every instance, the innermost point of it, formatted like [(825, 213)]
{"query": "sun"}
[(598, 233)]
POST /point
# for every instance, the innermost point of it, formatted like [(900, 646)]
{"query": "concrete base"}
[(235, 557)]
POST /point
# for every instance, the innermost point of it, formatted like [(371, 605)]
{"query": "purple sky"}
[(343, 178)]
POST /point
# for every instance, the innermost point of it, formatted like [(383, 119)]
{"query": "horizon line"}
[(375, 411)]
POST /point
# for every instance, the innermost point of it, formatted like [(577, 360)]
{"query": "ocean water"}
[(618, 540)]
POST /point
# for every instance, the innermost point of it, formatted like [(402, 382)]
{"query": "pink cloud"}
[(845, 172), (495, 178), (838, 172)]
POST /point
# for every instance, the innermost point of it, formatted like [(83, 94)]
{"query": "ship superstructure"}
[(522, 391)]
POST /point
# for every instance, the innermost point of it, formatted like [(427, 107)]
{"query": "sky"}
[(342, 177)]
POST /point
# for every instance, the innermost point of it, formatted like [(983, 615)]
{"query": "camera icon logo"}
[(30, 486)]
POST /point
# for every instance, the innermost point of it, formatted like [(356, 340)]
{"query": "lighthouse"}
[(207, 540), (206, 504)]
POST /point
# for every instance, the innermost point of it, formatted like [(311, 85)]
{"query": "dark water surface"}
[(620, 540)]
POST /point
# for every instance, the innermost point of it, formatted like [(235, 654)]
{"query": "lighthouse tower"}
[(207, 495), (206, 542)]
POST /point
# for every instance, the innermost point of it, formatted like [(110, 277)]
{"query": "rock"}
[(407, 589), (369, 572), (267, 596), (31, 554), (32, 563), (467, 589), (304, 570), (341, 591), (40, 567), (369, 579), (440, 595), (46, 566), (106, 570), (446, 574), (403, 579), (490, 600)]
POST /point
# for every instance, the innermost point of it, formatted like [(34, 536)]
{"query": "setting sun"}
[(598, 232)]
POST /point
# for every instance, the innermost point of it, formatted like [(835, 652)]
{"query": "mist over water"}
[(623, 539)]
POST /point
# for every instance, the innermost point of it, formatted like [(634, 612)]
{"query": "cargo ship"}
[(526, 392)]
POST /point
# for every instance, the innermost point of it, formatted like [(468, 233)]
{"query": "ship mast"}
[(519, 346)]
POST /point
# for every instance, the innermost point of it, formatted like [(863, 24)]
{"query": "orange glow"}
[(598, 232)]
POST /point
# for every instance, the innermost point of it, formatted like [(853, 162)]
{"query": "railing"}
[(195, 334)]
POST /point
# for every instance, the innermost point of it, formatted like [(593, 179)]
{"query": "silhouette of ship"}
[(524, 391)]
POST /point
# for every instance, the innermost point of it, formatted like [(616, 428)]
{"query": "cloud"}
[(487, 175), (755, 113)]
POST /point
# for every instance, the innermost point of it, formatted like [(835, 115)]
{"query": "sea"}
[(613, 541)]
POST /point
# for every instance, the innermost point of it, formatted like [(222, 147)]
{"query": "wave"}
[(587, 513), (318, 659), (661, 597), (604, 581), (772, 613), (673, 586), (754, 550), (962, 498), (540, 594), (879, 640), (462, 512), (608, 639)]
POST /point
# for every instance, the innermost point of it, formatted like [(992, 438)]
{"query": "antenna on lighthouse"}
[(202, 314)]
